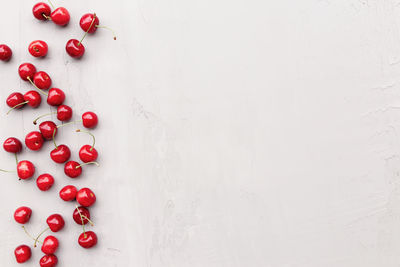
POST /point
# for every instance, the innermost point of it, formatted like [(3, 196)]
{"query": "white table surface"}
[(232, 133)]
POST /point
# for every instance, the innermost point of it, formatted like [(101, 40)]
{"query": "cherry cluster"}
[(47, 131)]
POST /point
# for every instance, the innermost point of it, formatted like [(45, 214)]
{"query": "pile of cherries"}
[(47, 131)]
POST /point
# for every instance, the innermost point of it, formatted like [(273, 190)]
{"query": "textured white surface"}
[(232, 133)]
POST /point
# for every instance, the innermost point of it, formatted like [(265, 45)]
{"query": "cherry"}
[(50, 245), (22, 253), (15, 100), (22, 215), (48, 261), (42, 80), (55, 97), (86, 197), (68, 193), (60, 16), (89, 119), (26, 71), (25, 169), (38, 48), (34, 140), (75, 48), (72, 169), (88, 153), (87, 239), (55, 222), (81, 215), (60, 154), (41, 11), (12, 145), (89, 26), (48, 129), (64, 113), (44, 182), (33, 98), (5, 52)]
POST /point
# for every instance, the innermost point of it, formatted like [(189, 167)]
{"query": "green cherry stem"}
[(37, 88), (87, 163), (51, 4), (94, 139), (28, 234), (44, 115), (107, 28), (83, 223), (86, 32), (16, 158), (37, 238), (14, 107), (54, 140)]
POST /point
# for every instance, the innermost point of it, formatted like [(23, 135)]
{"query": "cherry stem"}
[(40, 90), (1, 170), (44, 115), (87, 163), (16, 158), (94, 139), (68, 123), (86, 32), (46, 17), (54, 140), (107, 28), (28, 234), (83, 223), (37, 238), (51, 4), (14, 107)]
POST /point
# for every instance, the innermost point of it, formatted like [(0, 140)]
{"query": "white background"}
[(232, 133)]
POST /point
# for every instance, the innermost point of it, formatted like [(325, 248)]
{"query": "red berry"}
[(87, 239), (44, 182), (33, 98), (12, 145), (38, 48), (60, 154), (42, 80), (26, 71), (56, 97), (68, 193), (77, 217), (86, 197), (72, 169), (86, 22), (25, 169), (75, 48), (64, 113), (48, 261), (22, 253), (60, 16), (87, 153), (50, 245), (5, 52), (89, 119), (41, 11), (55, 222), (22, 215), (15, 99), (34, 140), (48, 129)]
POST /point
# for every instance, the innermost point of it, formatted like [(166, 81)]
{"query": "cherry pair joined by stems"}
[(64, 113), (5, 52), (59, 16), (38, 48), (17, 100), (86, 239)]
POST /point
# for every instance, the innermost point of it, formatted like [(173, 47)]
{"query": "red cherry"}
[(34, 140), (87, 239), (88, 153), (12, 145), (89, 119), (26, 71), (85, 215), (50, 245), (72, 169), (15, 100), (48, 261), (5, 52), (68, 193), (38, 48), (25, 169), (33, 98), (64, 113), (75, 48), (22, 253), (42, 80), (87, 23), (55, 222), (56, 97), (85, 197), (22, 215), (45, 182), (48, 129), (41, 11), (60, 16), (60, 154)]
